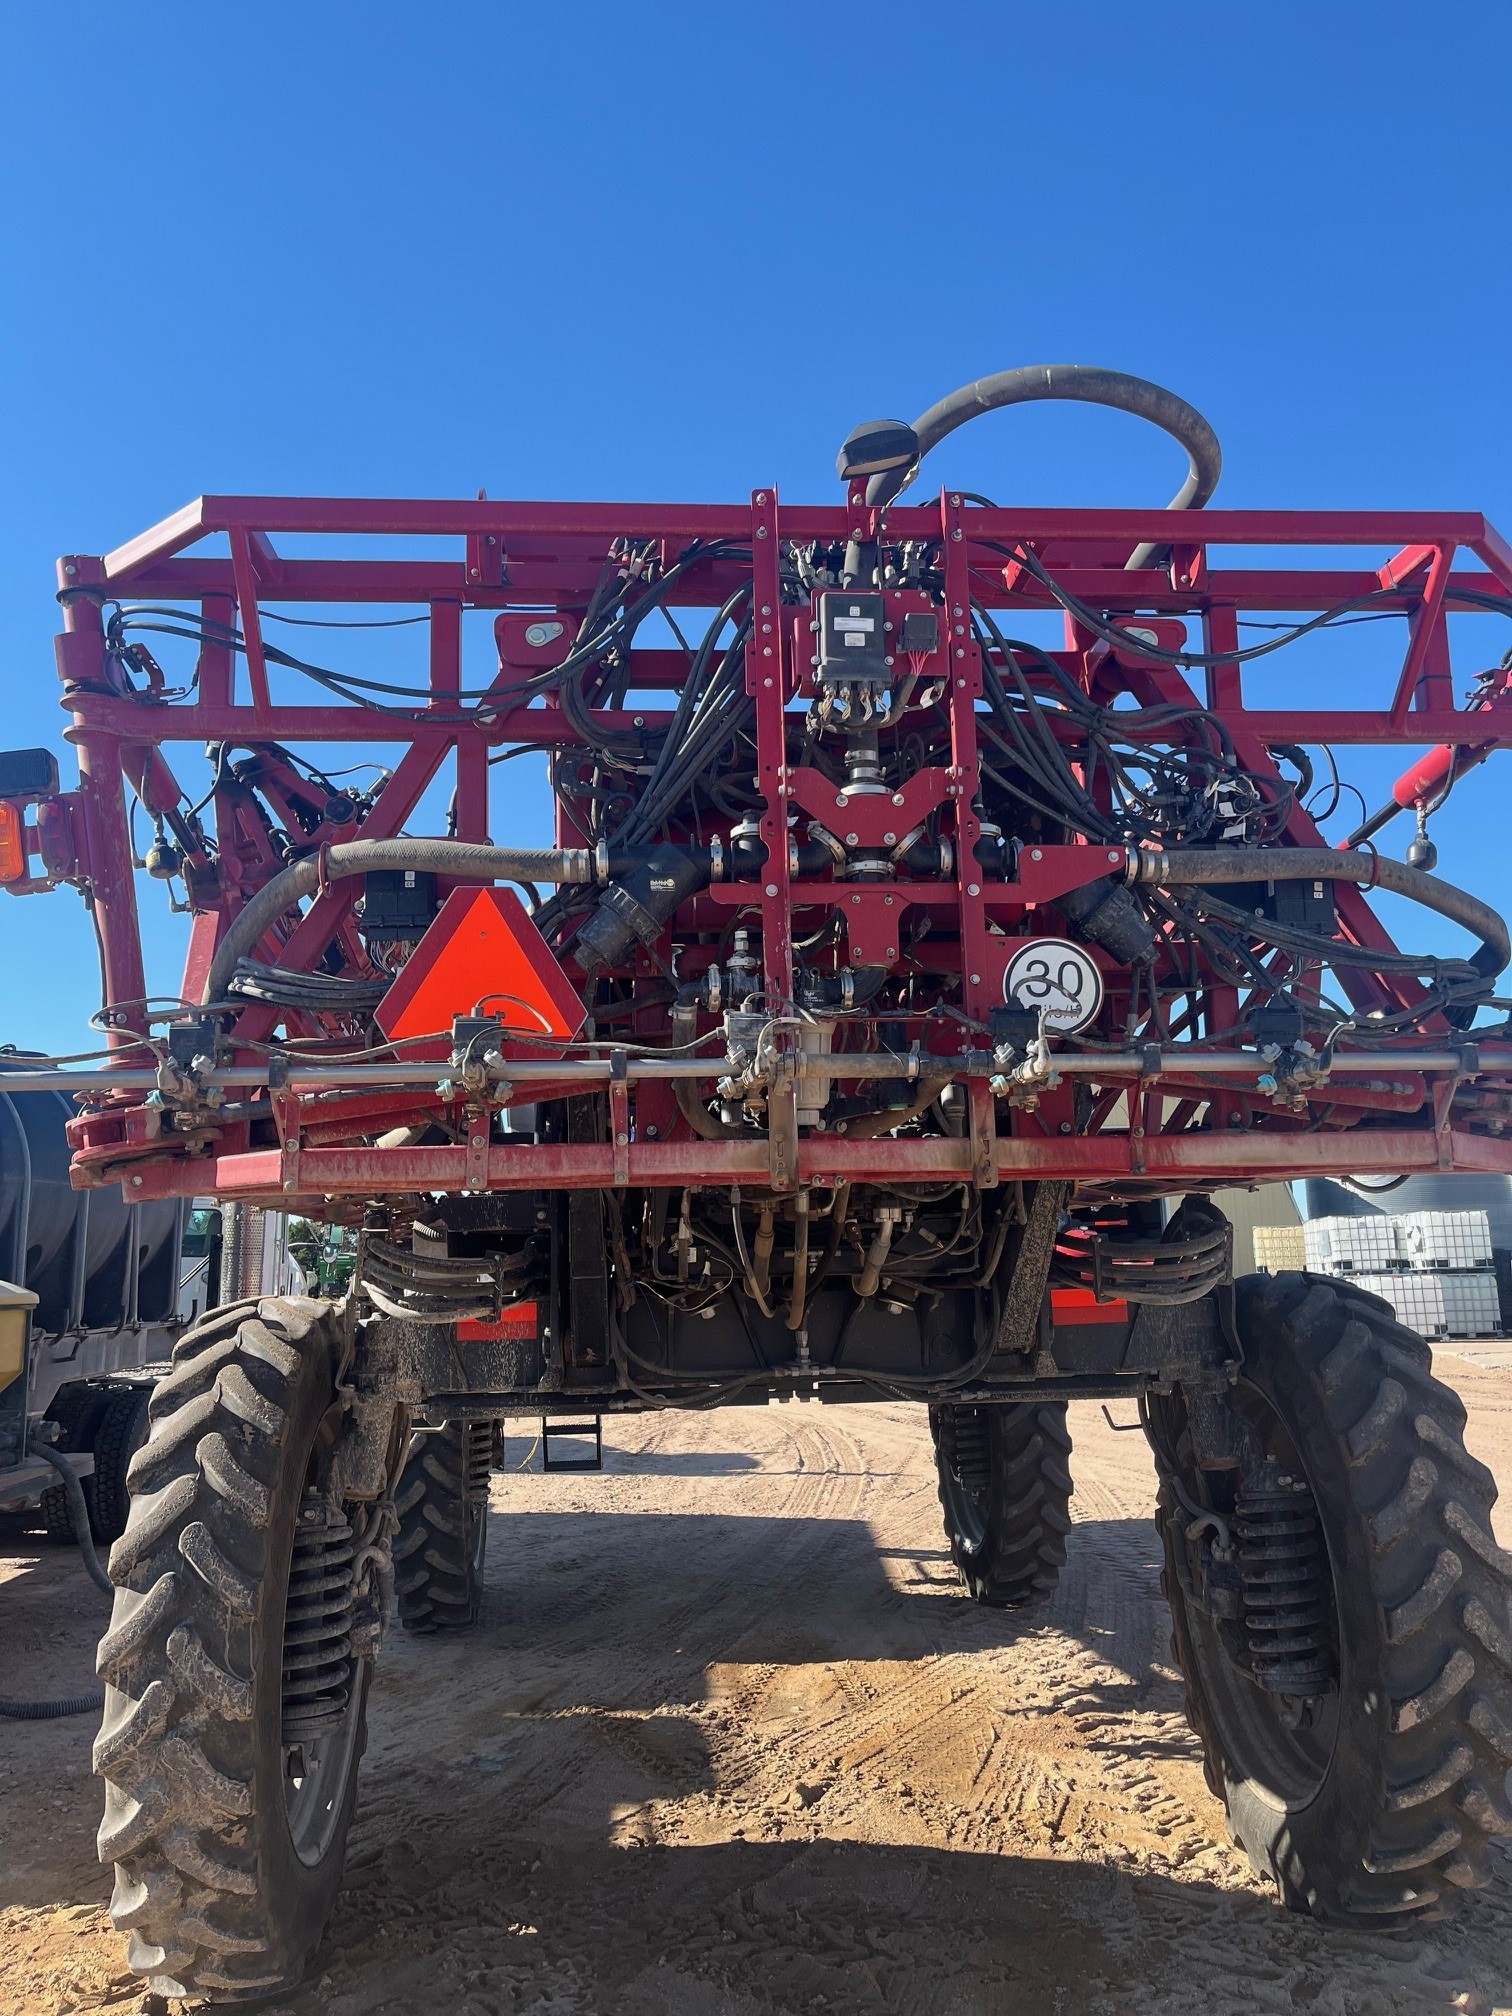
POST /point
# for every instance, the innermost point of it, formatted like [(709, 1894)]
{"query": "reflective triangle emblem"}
[(481, 956)]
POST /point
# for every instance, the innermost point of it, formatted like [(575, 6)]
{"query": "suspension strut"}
[(318, 1622), (478, 1449), (964, 1435), (1283, 1569)]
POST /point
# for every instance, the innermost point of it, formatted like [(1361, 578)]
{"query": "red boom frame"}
[(1445, 1111)]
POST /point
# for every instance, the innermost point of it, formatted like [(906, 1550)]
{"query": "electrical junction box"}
[(921, 633), (1304, 906), (852, 638), (398, 903)]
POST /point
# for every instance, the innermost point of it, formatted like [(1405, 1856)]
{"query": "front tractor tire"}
[(442, 1502), (235, 1686), (1005, 1489), (1353, 1690)]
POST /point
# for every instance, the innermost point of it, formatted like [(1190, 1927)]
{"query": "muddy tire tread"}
[(176, 1745), (1443, 1666), (436, 1584), (1029, 1502)]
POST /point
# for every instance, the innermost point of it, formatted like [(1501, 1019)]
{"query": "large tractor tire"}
[(1005, 1489), (235, 1693), (119, 1433), (1356, 1717), (76, 1412), (442, 1502), (111, 1424)]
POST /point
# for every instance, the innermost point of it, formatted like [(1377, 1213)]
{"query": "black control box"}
[(921, 632), (852, 638), (1304, 906), (397, 903)]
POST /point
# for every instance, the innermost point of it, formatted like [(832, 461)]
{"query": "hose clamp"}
[(1144, 864)]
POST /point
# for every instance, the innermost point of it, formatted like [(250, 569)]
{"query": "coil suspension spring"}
[(968, 1448), (477, 1462), (318, 1662), (1283, 1569)]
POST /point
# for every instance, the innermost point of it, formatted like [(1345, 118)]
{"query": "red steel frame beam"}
[(530, 555), (1212, 1158), (1124, 529)]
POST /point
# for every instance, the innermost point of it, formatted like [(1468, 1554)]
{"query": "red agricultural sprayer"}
[(892, 992)]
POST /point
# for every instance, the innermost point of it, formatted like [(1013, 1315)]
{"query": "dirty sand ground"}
[(730, 1739)]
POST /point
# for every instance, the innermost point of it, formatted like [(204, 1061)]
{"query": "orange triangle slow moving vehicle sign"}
[(482, 955)]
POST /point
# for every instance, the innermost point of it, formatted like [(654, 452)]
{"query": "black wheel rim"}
[(961, 1454), (317, 1772), (478, 1439), (968, 1514), (1281, 1744), (324, 1683)]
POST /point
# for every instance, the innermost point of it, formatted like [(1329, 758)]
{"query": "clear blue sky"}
[(676, 251)]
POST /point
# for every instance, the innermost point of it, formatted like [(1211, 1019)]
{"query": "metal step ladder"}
[(573, 1432)]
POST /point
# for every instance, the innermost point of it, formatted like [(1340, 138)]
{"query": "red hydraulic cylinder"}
[(1429, 779)]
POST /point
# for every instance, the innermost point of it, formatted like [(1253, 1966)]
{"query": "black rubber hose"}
[(1216, 865), (17, 1708), (869, 1125), (852, 989), (703, 1122), (78, 1515), (1095, 386), (459, 858)]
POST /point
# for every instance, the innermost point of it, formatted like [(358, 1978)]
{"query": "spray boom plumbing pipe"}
[(1213, 866), (468, 863)]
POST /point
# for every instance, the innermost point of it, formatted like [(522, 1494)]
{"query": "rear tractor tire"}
[(442, 1502), (109, 1423), (1005, 1489), (1341, 1608), (122, 1430), (237, 1661)]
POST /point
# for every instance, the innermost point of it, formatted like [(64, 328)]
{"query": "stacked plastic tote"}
[(1279, 1249), (1435, 1268)]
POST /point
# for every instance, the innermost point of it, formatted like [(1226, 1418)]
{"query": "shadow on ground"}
[(679, 1462), (828, 1926)]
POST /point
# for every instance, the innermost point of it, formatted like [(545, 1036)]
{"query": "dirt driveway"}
[(731, 1740)]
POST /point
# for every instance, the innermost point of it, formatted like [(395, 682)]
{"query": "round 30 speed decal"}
[(1058, 979)]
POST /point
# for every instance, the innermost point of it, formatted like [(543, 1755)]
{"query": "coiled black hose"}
[(1084, 382)]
